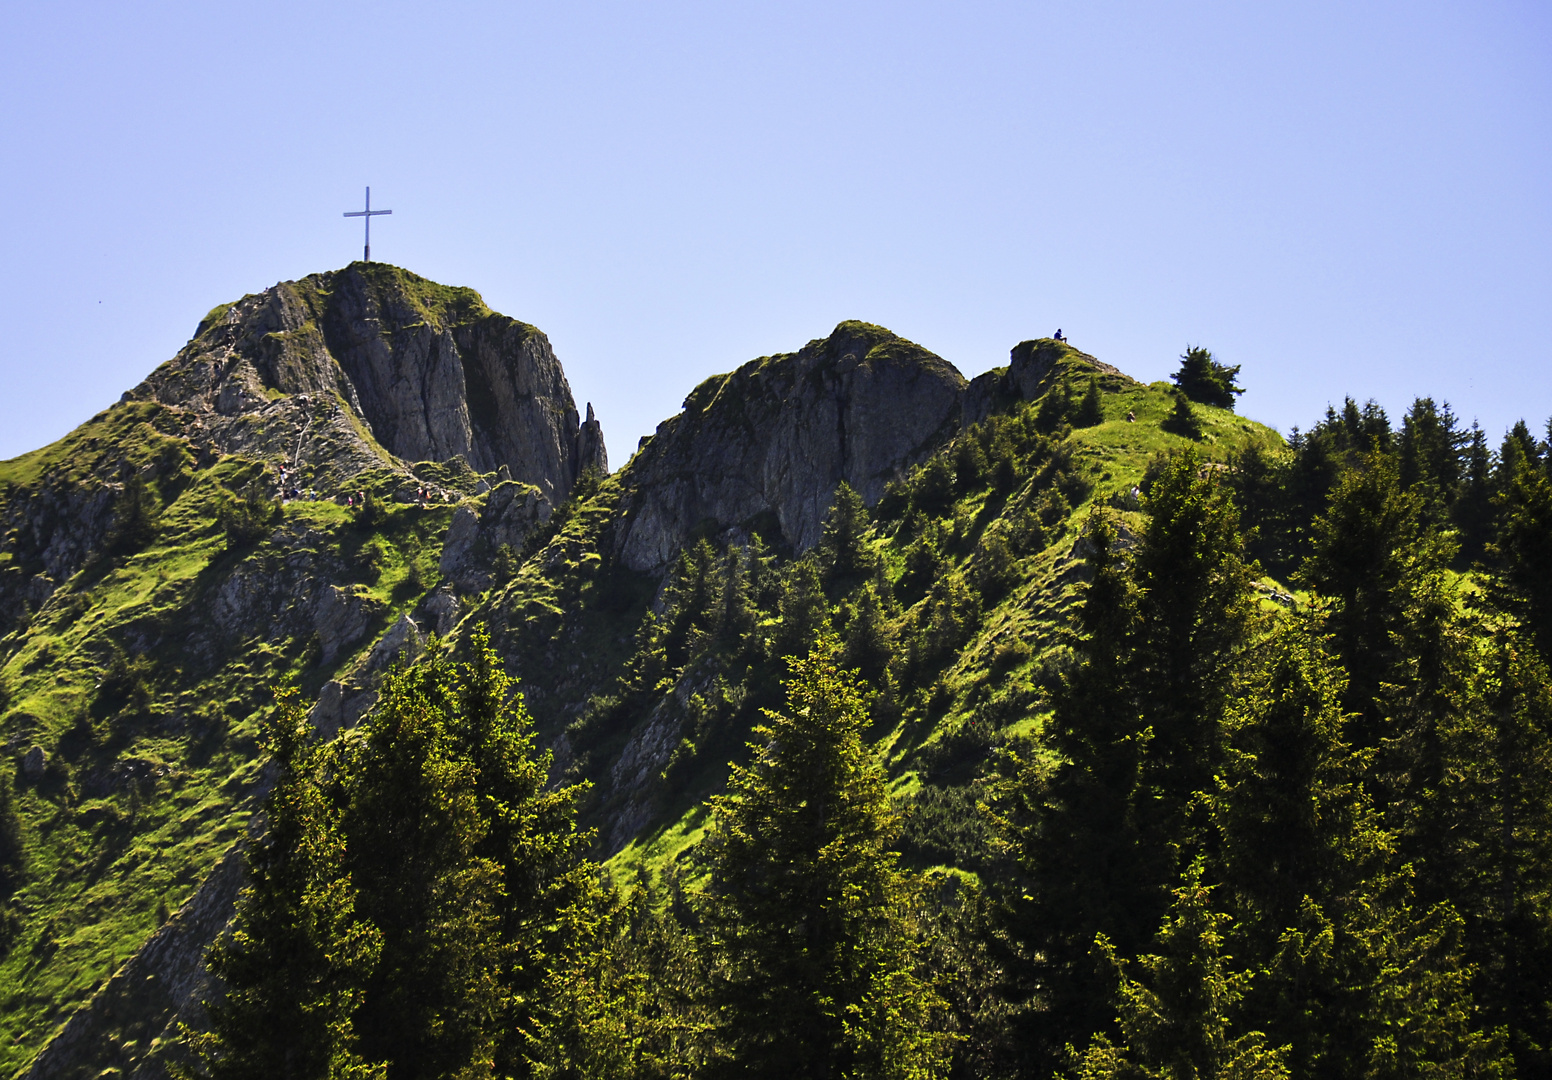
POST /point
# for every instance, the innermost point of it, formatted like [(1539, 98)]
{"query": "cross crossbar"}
[(369, 214)]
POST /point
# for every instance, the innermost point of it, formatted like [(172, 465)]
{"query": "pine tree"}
[(465, 859), (843, 543), (1183, 420), (1203, 379), (1178, 1022), (297, 959), (1091, 410), (808, 914)]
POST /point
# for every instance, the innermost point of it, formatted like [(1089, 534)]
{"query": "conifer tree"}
[(1194, 603), (1055, 406), (1091, 410), (1381, 570), (1495, 855), (804, 613), (296, 962), (1178, 1022), (1203, 379), (464, 859), (843, 542), (1523, 586), (1183, 420), (808, 915)]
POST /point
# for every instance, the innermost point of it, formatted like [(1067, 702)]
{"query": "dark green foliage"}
[(807, 913), (631, 1003), (1495, 858), (804, 611), (1379, 567), (1134, 729), (1055, 407), (297, 956), (250, 517), (1090, 410), (134, 518), (405, 911), (1179, 1019), (1524, 551), (1183, 421), (1204, 380), (843, 547), (370, 512)]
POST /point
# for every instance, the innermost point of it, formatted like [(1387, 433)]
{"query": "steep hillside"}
[(157, 592)]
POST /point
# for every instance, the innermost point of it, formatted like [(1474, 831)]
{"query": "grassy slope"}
[(996, 674), (142, 798), (108, 849)]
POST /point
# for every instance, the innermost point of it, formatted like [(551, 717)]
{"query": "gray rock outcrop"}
[(338, 367), (780, 433)]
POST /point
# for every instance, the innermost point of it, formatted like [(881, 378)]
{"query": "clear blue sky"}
[(1344, 198)]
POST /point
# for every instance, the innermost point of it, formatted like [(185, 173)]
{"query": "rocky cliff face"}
[(780, 433), (329, 371)]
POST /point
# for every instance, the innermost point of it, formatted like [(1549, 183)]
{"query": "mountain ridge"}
[(147, 624)]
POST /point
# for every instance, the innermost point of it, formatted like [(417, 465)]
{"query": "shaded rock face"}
[(329, 365), (780, 433)]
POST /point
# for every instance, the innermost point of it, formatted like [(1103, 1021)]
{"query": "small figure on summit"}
[(1058, 334)]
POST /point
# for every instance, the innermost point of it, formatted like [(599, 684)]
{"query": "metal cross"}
[(369, 214)]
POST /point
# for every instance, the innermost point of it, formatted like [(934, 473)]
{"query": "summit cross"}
[(369, 214)]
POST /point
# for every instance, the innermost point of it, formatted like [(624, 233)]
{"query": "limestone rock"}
[(591, 453), (33, 764), (402, 641), (333, 370), (778, 435), (442, 606), (340, 619), (461, 535), (1030, 364)]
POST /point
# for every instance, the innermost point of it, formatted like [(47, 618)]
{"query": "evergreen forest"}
[(868, 722), (1219, 830)]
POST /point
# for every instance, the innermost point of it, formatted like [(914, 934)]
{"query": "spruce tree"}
[(805, 615), (843, 543), (1178, 1022), (1183, 420), (1380, 570), (1091, 410), (465, 859), (1495, 855), (295, 964), (1203, 379), (1523, 553), (809, 917)]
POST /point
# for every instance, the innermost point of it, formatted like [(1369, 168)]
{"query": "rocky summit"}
[(342, 472), (332, 371)]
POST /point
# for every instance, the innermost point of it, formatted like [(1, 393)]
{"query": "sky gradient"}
[(1343, 198)]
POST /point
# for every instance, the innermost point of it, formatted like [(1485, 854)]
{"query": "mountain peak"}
[(349, 369)]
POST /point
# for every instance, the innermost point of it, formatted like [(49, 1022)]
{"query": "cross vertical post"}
[(369, 214)]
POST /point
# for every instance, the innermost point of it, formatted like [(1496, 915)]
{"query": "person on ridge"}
[(1059, 334)]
